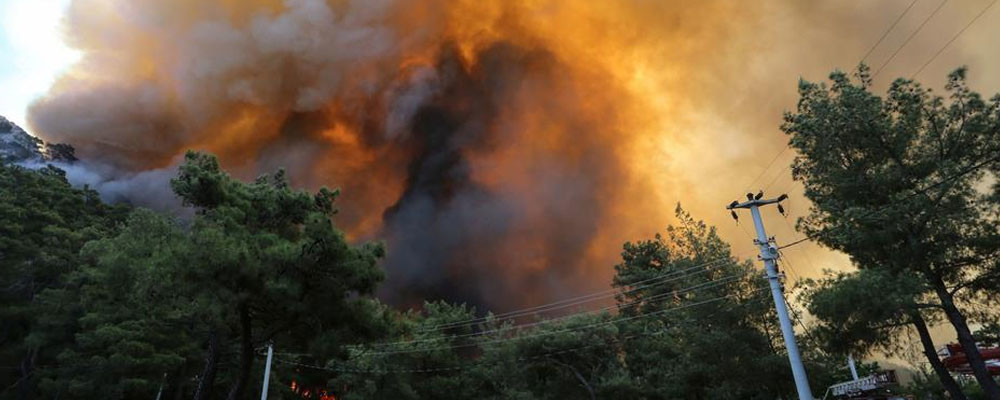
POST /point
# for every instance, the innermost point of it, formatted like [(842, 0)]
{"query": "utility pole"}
[(160, 392), (267, 371), (769, 254), (850, 364)]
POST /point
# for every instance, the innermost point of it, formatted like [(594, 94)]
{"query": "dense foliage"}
[(44, 222), (152, 304), (901, 185), (137, 304), (109, 302), (692, 322)]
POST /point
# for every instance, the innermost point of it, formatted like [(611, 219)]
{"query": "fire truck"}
[(953, 357), (878, 386)]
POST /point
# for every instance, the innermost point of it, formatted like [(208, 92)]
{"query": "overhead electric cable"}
[(868, 53), (750, 300), (900, 17), (700, 286), (891, 57), (768, 167), (776, 177), (988, 6), (638, 285), (968, 170), (549, 333)]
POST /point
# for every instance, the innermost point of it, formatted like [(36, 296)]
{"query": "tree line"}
[(114, 302)]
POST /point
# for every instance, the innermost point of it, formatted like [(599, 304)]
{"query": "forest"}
[(112, 301)]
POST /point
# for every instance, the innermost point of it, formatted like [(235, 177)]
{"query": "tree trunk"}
[(975, 359), (27, 368), (579, 377), (207, 380), (246, 354), (175, 385), (925, 339)]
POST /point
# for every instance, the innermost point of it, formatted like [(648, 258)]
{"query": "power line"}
[(938, 53), (750, 300), (887, 61), (638, 285), (768, 167), (500, 340), (553, 332), (797, 242), (870, 50), (776, 177), (806, 254), (789, 265), (966, 171), (745, 232), (900, 17), (700, 286), (793, 314), (953, 38), (704, 285)]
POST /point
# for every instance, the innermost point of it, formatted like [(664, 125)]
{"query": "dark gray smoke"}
[(451, 237)]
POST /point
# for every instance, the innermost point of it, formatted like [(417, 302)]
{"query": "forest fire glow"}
[(495, 146), (553, 181), (306, 393)]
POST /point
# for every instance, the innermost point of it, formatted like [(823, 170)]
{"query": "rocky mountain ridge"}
[(17, 146)]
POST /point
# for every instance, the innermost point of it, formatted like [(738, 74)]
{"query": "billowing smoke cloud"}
[(452, 230), (488, 164), (498, 147)]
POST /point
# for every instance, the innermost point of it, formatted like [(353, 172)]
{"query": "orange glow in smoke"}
[(572, 106)]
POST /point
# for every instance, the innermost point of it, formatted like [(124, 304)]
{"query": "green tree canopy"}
[(43, 224), (689, 321), (259, 263), (722, 341), (897, 184)]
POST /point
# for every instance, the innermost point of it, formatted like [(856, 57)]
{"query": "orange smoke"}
[(498, 147)]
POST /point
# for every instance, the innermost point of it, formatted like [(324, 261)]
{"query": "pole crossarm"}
[(756, 203)]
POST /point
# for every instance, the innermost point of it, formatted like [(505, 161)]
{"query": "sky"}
[(32, 52), (785, 40), (837, 34), (743, 81)]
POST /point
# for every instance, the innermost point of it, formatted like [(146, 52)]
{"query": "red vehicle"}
[(953, 357)]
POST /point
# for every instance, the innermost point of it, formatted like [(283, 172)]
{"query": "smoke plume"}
[(498, 147)]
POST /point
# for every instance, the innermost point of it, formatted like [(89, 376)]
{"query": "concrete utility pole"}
[(267, 371), (769, 254), (162, 381), (850, 364)]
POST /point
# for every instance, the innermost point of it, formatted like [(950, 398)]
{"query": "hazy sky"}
[(791, 39), (32, 52), (737, 84)]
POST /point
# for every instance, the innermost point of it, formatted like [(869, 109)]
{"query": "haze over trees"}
[(111, 302)]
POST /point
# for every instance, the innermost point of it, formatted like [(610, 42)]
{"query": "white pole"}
[(850, 363), (160, 392), (267, 372), (769, 255)]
